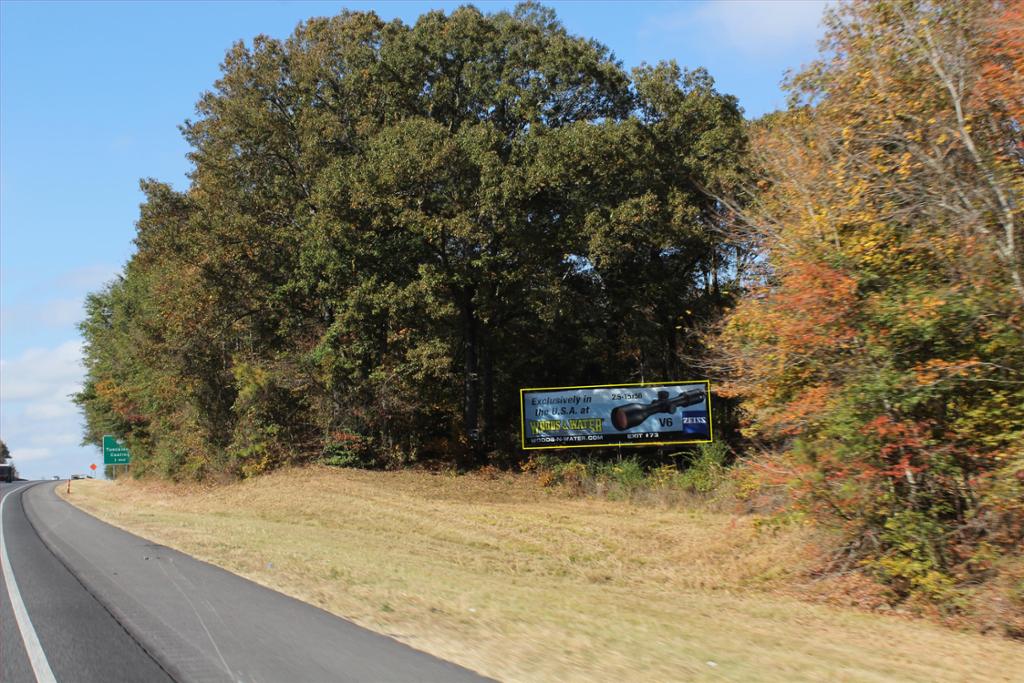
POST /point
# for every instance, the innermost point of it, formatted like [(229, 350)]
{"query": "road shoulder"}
[(203, 623)]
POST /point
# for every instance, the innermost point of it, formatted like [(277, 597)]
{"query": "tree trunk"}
[(670, 350), (714, 272), (470, 379), (487, 388)]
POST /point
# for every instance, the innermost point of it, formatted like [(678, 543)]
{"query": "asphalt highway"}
[(72, 636), (83, 601)]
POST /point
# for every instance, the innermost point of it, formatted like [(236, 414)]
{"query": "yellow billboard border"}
[(522, 415)]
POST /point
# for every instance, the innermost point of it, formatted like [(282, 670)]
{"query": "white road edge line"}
[(36, 656)]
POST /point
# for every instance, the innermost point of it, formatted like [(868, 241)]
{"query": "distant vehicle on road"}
[(78, 476), (8, 473)]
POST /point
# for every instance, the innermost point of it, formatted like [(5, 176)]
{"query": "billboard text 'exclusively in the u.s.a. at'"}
[(616, 415)]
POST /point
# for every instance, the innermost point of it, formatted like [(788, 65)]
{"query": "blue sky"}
[(91, 97)]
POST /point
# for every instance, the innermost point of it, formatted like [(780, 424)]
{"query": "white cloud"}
[(62, 312), (52, 313), (758, 27), (49, 410), (88, 278), (49, 374), (38, 421), (54, 439), (20, 455), (750, 27), (26, 307)]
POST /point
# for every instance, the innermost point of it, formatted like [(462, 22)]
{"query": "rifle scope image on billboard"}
[(648, 414)]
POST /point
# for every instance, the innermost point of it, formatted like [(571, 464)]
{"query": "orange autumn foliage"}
[(878, 357)]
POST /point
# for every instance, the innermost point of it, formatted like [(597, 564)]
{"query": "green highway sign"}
[(115, 452)]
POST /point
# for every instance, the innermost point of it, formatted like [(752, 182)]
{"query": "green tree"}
[(389, 229)]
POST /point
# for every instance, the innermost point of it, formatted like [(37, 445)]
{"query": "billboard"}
[(646, 414)]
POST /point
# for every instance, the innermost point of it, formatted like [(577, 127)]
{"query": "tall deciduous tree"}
[(390, 229)]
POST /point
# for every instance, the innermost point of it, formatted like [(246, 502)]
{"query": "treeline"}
[(880, 360), (390, 229)]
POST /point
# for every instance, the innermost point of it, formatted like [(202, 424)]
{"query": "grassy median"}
[(522, 583)]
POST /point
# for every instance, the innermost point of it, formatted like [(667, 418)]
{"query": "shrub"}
[(707, 471), (628, 474), (914, 563), (350, 450)]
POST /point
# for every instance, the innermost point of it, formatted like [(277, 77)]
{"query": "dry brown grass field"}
[(526, 584)]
